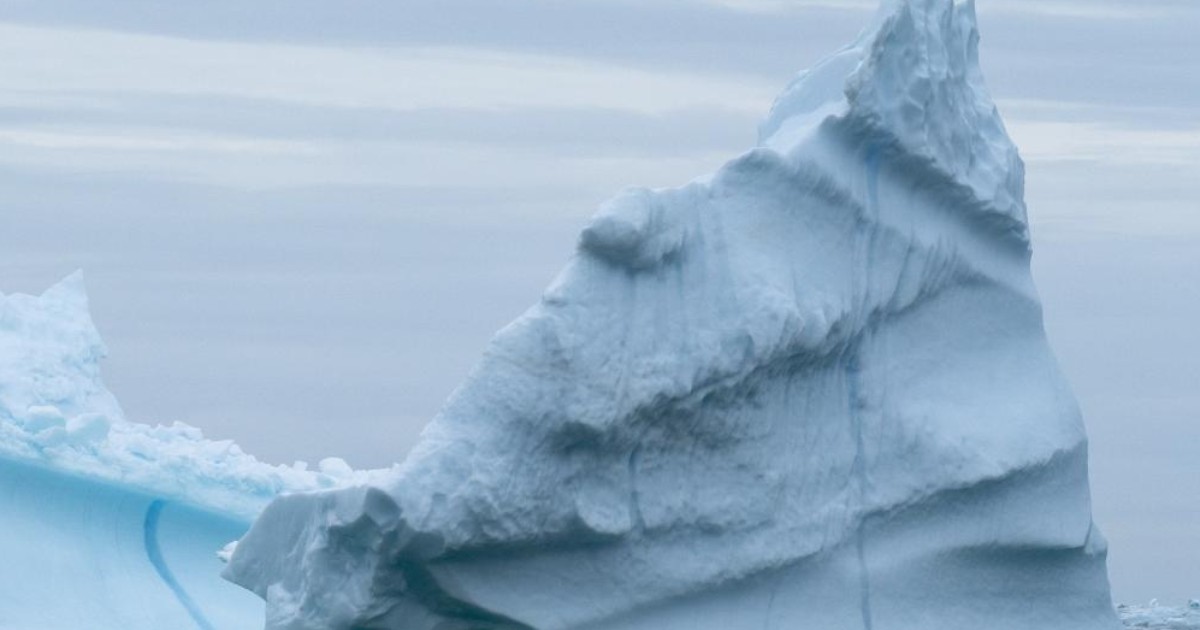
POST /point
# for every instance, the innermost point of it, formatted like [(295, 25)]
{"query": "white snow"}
[(810, 390), (55, 412)]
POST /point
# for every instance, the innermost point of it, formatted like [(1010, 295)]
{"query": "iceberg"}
[(810, 390), (108, 524)]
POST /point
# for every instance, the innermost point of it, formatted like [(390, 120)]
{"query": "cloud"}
[(1104, 142), (1086, 9), (1154, 115), (254, 144), (53, 59), (141, 141), (1082, 9), (562, 130), (1049, 130), (652, 34), (785, 6)]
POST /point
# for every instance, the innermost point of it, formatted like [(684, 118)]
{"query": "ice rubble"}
[(56, 413), (809, 390), (1157, 617)]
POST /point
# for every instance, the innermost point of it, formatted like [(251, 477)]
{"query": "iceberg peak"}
[(912, 84), (50, 352), (70, 291)]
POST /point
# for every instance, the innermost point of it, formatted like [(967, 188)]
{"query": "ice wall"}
[(80, 553), (811, 390)]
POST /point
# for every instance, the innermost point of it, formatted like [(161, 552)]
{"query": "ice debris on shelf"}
[(55, 412), (1155, 616)]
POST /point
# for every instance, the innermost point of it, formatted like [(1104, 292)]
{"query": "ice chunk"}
[(226, 552), (335, 467), (42, 417), (89, 428)]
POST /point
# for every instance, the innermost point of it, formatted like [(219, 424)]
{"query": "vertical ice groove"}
[(635, 510), (769, 616), (155, 556), (859, 405), (856, 409), (864, 576)]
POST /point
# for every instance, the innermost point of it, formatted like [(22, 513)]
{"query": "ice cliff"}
[(811, 390)]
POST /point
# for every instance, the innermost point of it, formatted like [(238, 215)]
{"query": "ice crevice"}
[(854, 373), (155, 555)]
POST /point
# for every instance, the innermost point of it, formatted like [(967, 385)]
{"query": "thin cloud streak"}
[(789, 6), (1100, 142), (53, 59), (140, 140), (1162, 116), (1085, 9), (1089, 9), (642, 34), (571, 131)]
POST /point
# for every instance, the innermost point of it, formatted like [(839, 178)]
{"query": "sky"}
[(300, 221)]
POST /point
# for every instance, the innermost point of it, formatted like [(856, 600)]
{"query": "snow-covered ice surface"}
[(811, 390), (108, 524), (56, 412), (1156, 617)]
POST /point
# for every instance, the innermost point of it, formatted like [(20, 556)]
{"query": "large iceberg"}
[(811, 390)]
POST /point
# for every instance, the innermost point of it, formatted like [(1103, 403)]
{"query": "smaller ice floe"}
[(55, 412)]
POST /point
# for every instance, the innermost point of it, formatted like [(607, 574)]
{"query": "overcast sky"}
[(300, 220)]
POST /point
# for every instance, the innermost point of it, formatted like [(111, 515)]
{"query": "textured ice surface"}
[(1156, 617), (811, 390), (55, 412), (106, 524)]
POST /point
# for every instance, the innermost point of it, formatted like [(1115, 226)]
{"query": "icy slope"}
[(108, 524), (811, 390), (85, 554)]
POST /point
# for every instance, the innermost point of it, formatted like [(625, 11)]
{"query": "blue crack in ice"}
[(154, 553)]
